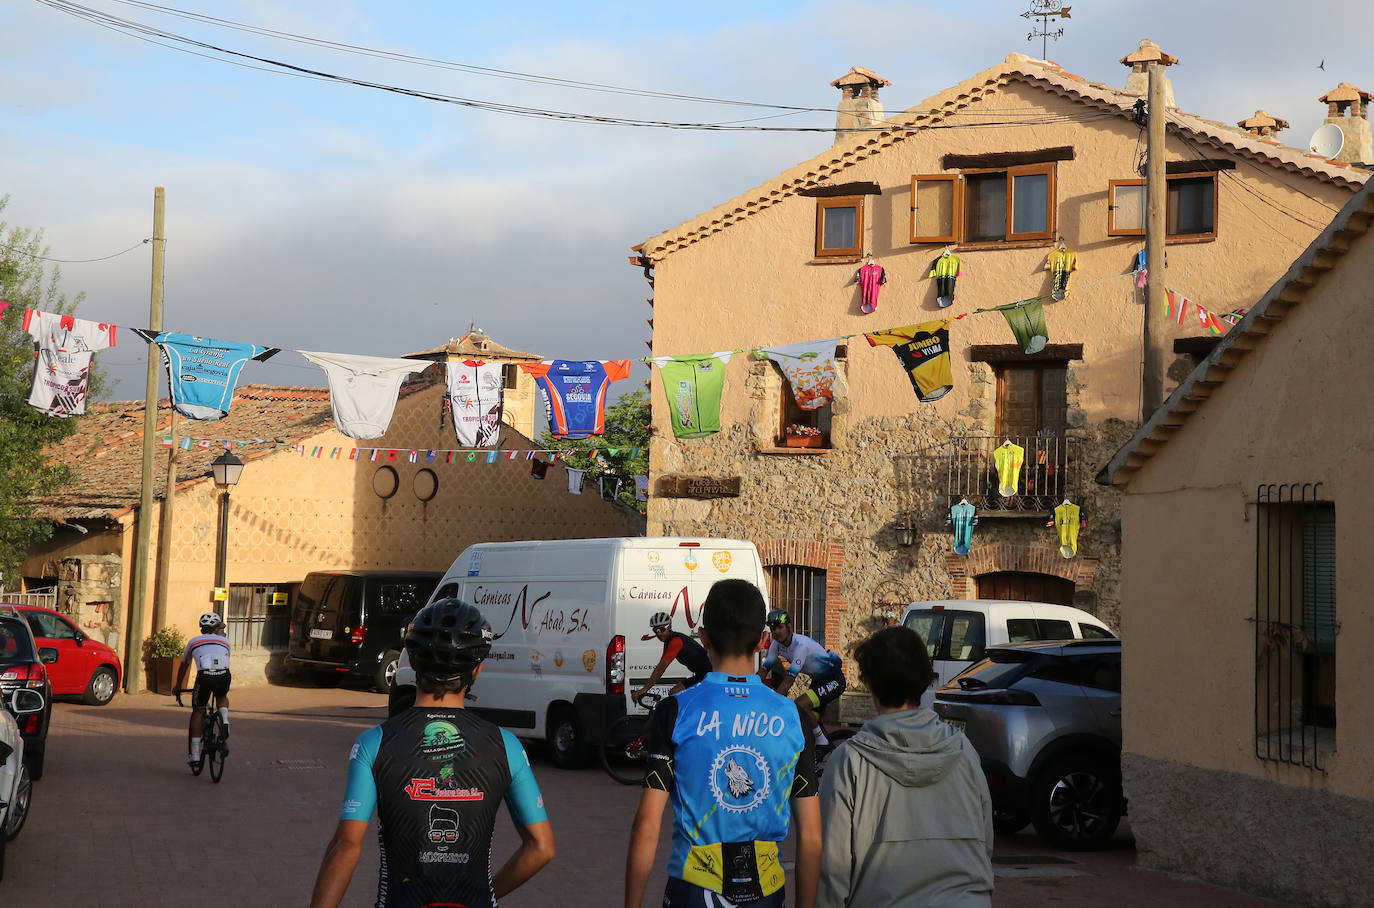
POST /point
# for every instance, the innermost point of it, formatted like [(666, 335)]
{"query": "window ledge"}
[(1189, 240), (1015, 244), (836, 260), (803, 452)]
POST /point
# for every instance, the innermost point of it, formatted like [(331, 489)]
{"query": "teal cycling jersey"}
[(804, 655), (731, 753), (437, 777)]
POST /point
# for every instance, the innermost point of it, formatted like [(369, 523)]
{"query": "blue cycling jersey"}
[(202, 371), (731, 753), (436, 777), (804, 655)]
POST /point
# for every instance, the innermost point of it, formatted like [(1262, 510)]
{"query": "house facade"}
[(1246, 578), (998, 171), (301, 504)]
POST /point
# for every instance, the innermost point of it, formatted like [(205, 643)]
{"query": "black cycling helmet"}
[(776, 617), (447, 639)]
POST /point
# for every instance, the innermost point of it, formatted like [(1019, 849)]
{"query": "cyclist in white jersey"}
[(791, 654), (210, 649)]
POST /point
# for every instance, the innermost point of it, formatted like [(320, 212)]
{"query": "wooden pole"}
[(133, 633), (1156, 207)]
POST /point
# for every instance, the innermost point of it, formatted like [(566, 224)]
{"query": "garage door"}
[(1026, 587)]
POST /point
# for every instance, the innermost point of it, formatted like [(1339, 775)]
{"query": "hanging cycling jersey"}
[(363, 389), (62, 373), (731, 754), (202, 371), (810, 370), (693, 385), (804, 655), (576, 393), (437, 777), (923, 350), (475, 398)]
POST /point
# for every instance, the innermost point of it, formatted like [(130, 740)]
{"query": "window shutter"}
[(1319, 578), (1125, 207), (935, 206)]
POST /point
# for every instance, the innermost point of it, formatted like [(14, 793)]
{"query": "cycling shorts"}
[(682, 894), (207, 686), (826, 690)]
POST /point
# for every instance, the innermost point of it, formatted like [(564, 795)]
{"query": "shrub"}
[(164, 642)]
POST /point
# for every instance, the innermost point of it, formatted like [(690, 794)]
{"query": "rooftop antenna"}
[(1045, 10)]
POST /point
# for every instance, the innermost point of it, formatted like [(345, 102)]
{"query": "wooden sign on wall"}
[(673, 486)]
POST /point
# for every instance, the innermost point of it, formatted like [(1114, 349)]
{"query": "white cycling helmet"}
[(209, 621), (661, 619)]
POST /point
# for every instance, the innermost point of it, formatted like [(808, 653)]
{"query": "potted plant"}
[(799, 436), (161, 651)]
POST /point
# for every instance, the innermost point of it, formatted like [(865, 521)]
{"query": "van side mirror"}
[(48, 654)]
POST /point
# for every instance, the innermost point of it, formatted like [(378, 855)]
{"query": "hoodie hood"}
[(914, 747)]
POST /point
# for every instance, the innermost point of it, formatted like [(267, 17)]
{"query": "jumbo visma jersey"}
[(437, 777), (731, 753)]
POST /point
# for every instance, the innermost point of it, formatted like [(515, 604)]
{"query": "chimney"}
[(859, 104), (1138, 81), (1348, 108), (1263, 126)]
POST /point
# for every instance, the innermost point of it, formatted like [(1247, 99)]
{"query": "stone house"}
[(997, 170), (1246, 514), (301, 504)]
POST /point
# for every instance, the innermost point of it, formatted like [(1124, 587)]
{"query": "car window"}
[(931, 626), (450, 591), (1055, 629), (967, 636), (1020, 630), (1103, 672), (1093, 632), (15, 643), (398, 597), (998, 672), (45, 624)]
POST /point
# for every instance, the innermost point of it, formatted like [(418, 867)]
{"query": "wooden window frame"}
[(811, 418), (1112, 229), (960, 225), (822, 206), (958, 213), (1038, 368)]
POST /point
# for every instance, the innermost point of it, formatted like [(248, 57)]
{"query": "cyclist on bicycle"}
[(676, 647), (792, 653), (436, 775), (210, 649)]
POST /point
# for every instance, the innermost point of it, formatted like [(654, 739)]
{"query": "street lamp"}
[(226, 470)]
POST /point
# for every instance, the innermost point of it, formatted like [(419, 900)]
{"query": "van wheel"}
[(386, 672), (564, 735)]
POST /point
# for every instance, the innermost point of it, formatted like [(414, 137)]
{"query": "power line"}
[(103, 258)]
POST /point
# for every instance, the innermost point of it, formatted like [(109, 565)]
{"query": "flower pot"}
[(804, 441), (162, 673)]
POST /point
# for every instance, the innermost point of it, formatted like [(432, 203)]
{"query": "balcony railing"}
[(1050, 472)]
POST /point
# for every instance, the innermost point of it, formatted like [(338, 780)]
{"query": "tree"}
[(622, 453), (25, 470)]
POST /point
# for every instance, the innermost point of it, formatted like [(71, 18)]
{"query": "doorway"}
[(1026, 587)]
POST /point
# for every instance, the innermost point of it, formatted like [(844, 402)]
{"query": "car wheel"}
[(564, 735), (1008, 820), (101, 689), (386, 672), (1077, 802), (19, 807)]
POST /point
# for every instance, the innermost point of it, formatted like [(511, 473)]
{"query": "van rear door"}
[(954, 638), (335, 616)]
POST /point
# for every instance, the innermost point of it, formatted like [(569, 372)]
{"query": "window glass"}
[(1190, 206), (931, 626), (1129, 213), (45, 625), (1030, 203), (1103, 672), (397, 597), (14, 643), (967, 636), (1055, 629), (934, 214), (449, 591), (986, 207), (1093, 632), (1001, 671), (1020, 630), (839, 231)]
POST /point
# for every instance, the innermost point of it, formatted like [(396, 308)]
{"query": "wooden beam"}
[(842, 189), (1006, 158)]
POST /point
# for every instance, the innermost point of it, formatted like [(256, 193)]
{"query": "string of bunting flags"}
[(202, 373)]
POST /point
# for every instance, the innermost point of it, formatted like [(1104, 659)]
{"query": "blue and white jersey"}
[(804, 655), (576, 393), (202, 371)]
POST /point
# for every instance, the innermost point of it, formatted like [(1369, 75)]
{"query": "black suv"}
[(1045, 719), (349, 623), (21, 665)]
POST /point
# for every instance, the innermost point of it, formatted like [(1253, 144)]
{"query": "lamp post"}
[(226, 470)]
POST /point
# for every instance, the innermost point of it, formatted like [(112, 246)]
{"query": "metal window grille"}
[(1049, 472), (1295, 625), (801, 591), (46, 600), (252, 621)]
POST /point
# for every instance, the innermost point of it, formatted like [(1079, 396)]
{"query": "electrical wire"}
[(1272, 203), (103, 258)]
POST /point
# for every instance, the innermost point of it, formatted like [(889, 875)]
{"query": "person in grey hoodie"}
[(906, 814)]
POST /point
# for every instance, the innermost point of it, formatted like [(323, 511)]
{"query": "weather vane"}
[(1045, 10)]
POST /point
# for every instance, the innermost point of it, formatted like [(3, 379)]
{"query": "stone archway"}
[(1008, 556)]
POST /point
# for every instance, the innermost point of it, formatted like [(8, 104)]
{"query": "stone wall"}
[(90, 592)]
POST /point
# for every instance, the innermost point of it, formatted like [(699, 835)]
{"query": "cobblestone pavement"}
[(118, 819)]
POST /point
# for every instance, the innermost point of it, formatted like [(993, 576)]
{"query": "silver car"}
[(1045, 719)]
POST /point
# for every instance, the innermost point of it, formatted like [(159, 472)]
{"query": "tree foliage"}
[(24, 432), (612, 456)]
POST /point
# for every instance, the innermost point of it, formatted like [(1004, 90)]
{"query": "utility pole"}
[(133, 634), (1156, 206)]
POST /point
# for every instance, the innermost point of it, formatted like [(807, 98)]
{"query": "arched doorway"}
[(1026, 587)]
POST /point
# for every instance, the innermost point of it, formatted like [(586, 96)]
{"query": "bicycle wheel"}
[(214, 747), (198, 765), (623, 754)]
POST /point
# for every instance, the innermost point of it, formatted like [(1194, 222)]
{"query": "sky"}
[(307, 214)]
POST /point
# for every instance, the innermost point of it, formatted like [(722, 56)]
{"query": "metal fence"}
[(251, 619), (1050, 471), (1295, 625), (801, 591), (47, 599)]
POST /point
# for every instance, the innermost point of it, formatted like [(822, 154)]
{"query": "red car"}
[(84, 667)]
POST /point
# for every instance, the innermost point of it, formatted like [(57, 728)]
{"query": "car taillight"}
[(359, 634), (999, 697), (30, 675), (292, 631), (615, 666)]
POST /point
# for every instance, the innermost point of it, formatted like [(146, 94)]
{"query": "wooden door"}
[(1026, 587)]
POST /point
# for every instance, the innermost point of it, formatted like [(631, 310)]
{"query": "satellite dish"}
[(1327, 141)]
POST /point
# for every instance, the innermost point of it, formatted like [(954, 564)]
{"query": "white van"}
[(571, 619), (957, 630)]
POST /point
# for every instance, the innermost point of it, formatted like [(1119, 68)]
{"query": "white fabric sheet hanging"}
[(363, 389)]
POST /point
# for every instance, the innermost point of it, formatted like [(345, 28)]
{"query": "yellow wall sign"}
[(221, 594), (279, 598)]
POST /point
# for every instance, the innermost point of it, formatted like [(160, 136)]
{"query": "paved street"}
[(118, 820)]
